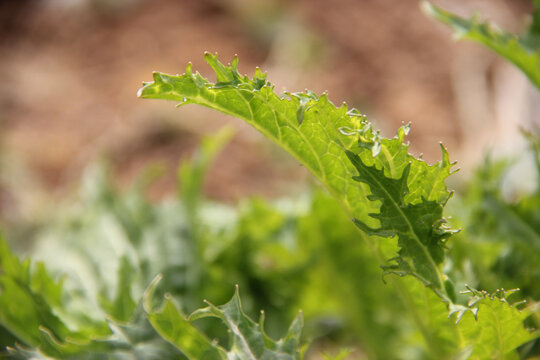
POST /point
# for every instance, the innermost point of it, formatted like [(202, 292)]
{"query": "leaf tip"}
[(427, 7), (140, 91), (210, 58), (149, 293), (189, 68)]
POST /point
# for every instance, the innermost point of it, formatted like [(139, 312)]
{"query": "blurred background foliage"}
[(89, 178)]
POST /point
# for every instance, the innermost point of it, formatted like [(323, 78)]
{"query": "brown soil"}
[(70, 76)]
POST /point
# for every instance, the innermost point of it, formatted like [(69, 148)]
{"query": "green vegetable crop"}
[(389, 193), (373, 261)]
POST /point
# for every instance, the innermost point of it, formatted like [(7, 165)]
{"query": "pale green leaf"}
[(192, 173), (136, 339), (494, 329), (318, 134), (173, 326), (248, 339), (522, 50), (388, 192), (24, 309), (123, 306)]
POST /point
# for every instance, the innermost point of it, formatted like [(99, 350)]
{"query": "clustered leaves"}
[(41, 319), (395, 199), (387, 191), (248, 339), (148, 332)]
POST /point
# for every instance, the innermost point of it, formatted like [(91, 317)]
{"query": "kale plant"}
[(372, 261)]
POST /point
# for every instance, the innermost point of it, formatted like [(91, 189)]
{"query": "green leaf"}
[(317, 143), (341, 355), (508, 228), (191, 176), (6, 339), (318, 134), (123, 306), (248, 339), (30, 309), (192, 173), (173, 326), (343, 292), (24, 299), (136, 339), (495, 328), (521, 50), (433, 324), (419, 226), (388, 191)]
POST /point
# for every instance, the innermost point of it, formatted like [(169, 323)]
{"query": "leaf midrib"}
[(411, 229)]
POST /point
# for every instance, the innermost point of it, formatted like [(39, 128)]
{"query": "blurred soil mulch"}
[(70, 74)]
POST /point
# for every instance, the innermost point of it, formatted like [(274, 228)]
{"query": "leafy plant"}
[(282, 255), (389, 193), (504, 228), (89, 297), (68, 319), (151, 333)]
